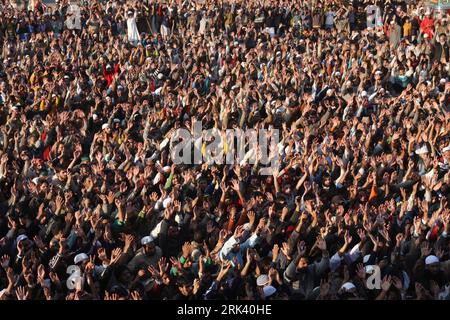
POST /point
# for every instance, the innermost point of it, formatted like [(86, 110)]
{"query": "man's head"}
[(173, 231), (302, 264), (432, 264), (348, 291), (326, 180), (148, 246), (185, 285), (446, 152), (81, 259)]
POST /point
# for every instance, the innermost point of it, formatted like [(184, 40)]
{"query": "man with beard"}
[(433, 272), (441, 49), (147, 255), (301, 276)]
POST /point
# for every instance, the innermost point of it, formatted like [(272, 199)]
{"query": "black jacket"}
[(439, 50)]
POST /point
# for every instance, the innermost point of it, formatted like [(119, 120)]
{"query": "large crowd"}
[(93, 207)]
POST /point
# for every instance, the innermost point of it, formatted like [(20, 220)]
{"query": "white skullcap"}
[(157, 178), (431, 259), (166, 202), (262, 280), (348, 286), (80, 258), (268, 291), (369, 269), (422, 150), (366, 258), (22, 237), (146, 240)]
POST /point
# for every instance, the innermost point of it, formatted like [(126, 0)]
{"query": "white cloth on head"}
[(268, 291), (431, 259), (262, 280), (348, 286)]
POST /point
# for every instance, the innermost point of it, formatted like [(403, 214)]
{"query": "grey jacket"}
[(303, 283)]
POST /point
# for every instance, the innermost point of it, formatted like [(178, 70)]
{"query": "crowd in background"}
[(93, 207)]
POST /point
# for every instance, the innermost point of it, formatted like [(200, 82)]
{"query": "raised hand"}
[(235, 185), (163, 265), (301, 248), (4, 261), (90, 266), (177, 206), (54, 277), (324, 287), (22, 293), (239, 232), (285, 250), (154, 197), (101, 252), (135, 295), (175, 263), (361, 234), (128, 241), (361, 271), (425, 249), (39, 243), (386, 283), (10, 275), (116, 254), (153, 271), (397, 283), (40, 273), (186, 248), (321, 244), (275, 252), (251, 217), (196, 286), (222, 235), (347, 238), (110, 197), (225, 266)]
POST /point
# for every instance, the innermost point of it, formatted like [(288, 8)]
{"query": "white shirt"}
[(133, 32)]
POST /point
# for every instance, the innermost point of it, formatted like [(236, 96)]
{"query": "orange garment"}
[(230, 226), (407, 29), (426, 26), (373, 192)]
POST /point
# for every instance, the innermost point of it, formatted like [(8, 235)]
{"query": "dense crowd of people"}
[(93, 207)]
